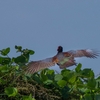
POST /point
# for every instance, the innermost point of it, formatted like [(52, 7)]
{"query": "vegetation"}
[(15, 84)]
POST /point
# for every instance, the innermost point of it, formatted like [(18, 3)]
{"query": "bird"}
[(62, 59)]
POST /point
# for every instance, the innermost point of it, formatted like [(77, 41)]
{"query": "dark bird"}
[(62, 59)]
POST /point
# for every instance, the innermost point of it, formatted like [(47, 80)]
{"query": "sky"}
[(43, 25)]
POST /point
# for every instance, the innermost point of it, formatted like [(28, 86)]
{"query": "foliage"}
[(15, 84)]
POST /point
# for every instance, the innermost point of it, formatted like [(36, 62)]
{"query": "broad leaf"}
[(47, 82), (19, 48), (4, 52), (5, 60), (21, 59), (11, 91), (72, 79), (87, 73), (28, 97), (31, 52), (61, 83), (65, 92), (4, 68), (91, 83), (65, 72), (58, 77), (43, 75), (88, 97), (78, 68)]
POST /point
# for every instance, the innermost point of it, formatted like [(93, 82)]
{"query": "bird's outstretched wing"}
[(35, 66), (82, 53)]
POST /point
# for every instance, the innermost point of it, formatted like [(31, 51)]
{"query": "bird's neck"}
[(59, 52)]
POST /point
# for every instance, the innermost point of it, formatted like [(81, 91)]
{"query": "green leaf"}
[(65, 92), (98, 77), (19, 48), (47, 82), (79, 83), (15, 46), (4, 68), (61, 83), (11, 91), (31, 52), (78, 68), (72, 79), (65, 72), (1, 60), (25, 51), (36, 78), (58, 77), (21, 59), (17, 67), (43, 75), (92, 74), (51, 72), (28, 97), (86, 73), (69, 76), (88, 97), (5, 60), (84, 90), (91, 83), (4, 52), (98, 83)]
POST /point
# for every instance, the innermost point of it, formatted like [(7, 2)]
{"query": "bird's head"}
[(60, 49)]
